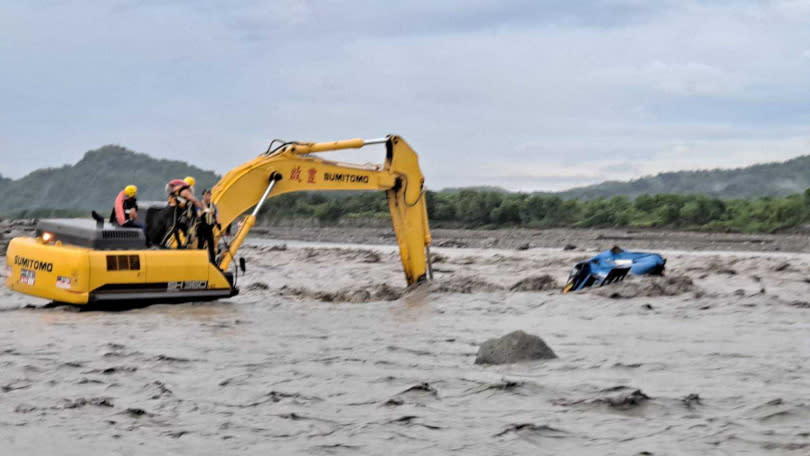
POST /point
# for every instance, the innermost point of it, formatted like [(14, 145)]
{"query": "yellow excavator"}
[(85, 262)]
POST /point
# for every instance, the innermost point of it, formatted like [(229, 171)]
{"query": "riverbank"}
[(562, 238)]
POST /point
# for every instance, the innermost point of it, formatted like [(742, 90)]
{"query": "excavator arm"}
[(291, 167)]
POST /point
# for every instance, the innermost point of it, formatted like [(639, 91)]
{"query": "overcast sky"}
[(523, 94)]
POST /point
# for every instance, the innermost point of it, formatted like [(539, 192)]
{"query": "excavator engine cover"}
[(86, 233)]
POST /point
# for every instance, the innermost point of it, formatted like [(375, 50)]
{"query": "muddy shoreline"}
[(562, 238), (582, 239)]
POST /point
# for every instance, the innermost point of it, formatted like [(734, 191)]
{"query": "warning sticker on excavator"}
[(63, 282), (27, 277)]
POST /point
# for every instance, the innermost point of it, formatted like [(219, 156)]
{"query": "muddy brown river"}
[(324, 352)]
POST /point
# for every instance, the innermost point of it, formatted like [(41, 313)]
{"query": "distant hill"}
[(769, 179), (95, 180)]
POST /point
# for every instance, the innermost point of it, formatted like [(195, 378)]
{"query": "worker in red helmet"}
[(181, 197), (181, 191)]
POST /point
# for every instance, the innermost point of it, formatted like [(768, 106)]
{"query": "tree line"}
[(492, 209)]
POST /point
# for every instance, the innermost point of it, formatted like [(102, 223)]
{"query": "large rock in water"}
[(513, 347)]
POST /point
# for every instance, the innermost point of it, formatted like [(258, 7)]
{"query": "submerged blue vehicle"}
[(612, 266)]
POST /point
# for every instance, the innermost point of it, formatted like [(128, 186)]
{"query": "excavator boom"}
[(291, 167)]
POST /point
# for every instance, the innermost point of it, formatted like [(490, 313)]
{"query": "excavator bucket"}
[(407, 203)]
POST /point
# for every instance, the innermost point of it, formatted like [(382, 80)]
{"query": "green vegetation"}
[(488, 209)]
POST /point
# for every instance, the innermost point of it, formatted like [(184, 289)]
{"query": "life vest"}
[(174, 188), (120, 212), (210, 214)]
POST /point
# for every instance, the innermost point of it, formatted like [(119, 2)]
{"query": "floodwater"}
[(715, 362)]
